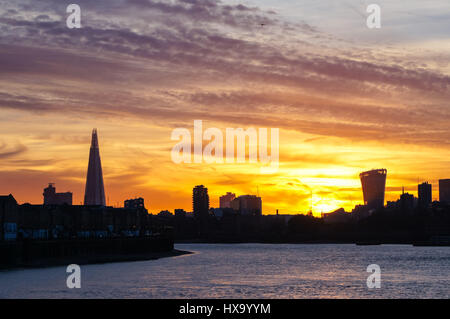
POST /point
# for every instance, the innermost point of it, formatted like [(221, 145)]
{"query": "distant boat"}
[(367, 243), (435, 241)]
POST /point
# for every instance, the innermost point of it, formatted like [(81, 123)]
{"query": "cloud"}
[(168, 45), (209, 11), (7, 152), (172, 62)]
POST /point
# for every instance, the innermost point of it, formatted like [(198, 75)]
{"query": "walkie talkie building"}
[(373, 186)]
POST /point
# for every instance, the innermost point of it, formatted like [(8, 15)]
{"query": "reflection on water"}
[(251, 271)]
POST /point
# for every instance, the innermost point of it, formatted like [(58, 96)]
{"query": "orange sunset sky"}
[(345, 98)]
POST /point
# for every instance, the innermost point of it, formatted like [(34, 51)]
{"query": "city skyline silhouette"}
[(346, 98), (372, 195)]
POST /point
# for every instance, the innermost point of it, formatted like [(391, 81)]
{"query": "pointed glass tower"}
[(95, 191)]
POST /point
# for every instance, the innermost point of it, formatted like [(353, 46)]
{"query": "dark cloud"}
[(212, 50), (7, 152), (187, 46), (209, 11)]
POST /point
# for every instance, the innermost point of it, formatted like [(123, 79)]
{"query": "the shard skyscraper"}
[(95, 190)]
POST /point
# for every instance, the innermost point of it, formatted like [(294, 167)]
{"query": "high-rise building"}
[(95, 190), (373, 186), (247, 205), (406, 201), (444, 191), (51, 197), (225, 200), (424, 193), (200, 201)]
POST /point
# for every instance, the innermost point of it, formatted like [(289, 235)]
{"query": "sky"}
[(345, 98)]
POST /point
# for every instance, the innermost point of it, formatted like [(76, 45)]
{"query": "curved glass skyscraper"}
[(373, 186)]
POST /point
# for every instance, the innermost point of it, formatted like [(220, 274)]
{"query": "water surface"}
[(250, 271)]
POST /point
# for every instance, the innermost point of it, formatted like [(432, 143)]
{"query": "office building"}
[(134, 203), (95, 190), (247, 205), (8, 218), (444, 191), (373, 186), (225, 200), (51, 197), (200, 201), (424, 192)]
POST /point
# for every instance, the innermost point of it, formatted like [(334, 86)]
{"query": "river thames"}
[(250, 271)]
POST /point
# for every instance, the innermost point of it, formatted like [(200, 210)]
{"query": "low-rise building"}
[(338, 216), (51, 197), (8, 218)]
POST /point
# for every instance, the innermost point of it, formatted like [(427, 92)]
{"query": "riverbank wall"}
[(36, 253)]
